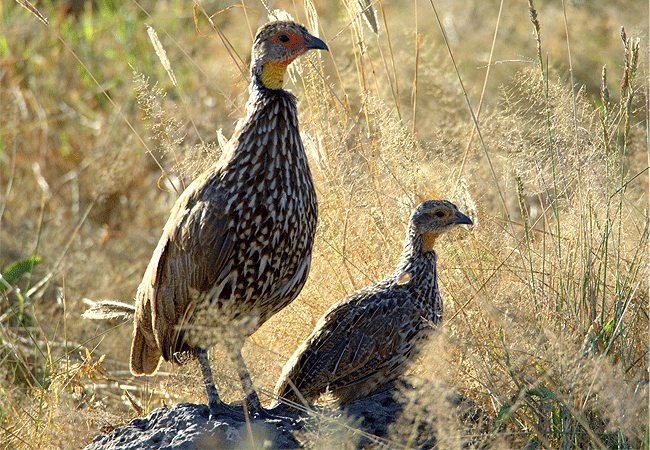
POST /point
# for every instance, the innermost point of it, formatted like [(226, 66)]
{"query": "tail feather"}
[(107, 310), (145, 354), (145, 358)]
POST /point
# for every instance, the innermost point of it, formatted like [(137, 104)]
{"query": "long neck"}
[(418, 257)]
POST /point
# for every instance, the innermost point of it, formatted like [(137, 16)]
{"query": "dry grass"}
[(546, 316)]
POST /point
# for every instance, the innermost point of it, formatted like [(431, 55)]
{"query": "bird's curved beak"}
[(462, 219), (312, 42)]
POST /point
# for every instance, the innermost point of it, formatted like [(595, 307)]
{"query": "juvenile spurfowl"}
[(372, 336), (236, 248)]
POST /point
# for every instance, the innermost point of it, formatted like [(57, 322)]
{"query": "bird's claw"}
[(268, 415)]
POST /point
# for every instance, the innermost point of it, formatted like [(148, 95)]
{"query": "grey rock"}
[(188, 426), (374, 422)]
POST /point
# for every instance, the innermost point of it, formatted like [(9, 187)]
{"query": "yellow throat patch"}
[(428, 239), (273, 74)]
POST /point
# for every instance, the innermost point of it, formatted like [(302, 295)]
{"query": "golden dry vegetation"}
[(546, 296)]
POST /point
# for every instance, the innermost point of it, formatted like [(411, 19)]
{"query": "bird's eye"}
[(283, 38), (440, 213)]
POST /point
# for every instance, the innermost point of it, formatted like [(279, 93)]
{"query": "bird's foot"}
[(219, 409), (255, 411), (243, 413), (251, 410), (269, 415)]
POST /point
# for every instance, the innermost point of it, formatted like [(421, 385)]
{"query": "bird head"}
[(276, 45), (434, 217)]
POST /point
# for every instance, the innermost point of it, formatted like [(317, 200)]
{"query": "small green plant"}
[(15, 311)]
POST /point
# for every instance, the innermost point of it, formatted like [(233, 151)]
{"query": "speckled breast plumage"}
[(270, 203)]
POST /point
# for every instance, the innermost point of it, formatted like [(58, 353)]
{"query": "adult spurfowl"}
[(371, 337), (237, 246)]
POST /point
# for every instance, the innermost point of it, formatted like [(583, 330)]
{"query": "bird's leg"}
[(214, 402), (252, 400)]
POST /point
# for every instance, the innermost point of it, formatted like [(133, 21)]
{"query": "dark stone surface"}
[(365, 423), (188, 426)]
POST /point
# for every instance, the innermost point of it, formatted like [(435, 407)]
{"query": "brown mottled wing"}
[(196, 245), (349, 342)]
